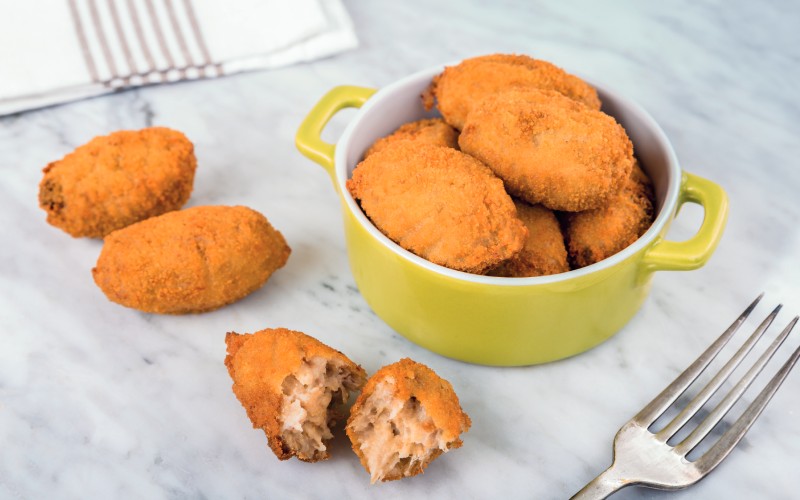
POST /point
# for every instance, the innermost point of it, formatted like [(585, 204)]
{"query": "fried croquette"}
[(118, 179), (432, 131), (405, 417), (597, 234), (460, 87), (544, 252), (293, 387), (440, 204), (549, 149), (192, 260)]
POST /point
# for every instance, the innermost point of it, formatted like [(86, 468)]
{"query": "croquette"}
[(439, 203), (405, 417), (432, 131), (293, 387), (460, 87), (597, 234), (549, 149), (119, 179), (544, 252), (192, 260)]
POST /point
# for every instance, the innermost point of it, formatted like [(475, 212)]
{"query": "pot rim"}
[(664, 215)]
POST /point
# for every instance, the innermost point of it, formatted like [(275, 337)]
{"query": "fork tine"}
[(733, 396), (657, 406), (716, 382), (736, 432)]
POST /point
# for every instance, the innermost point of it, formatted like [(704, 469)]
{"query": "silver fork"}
[(642, 457)]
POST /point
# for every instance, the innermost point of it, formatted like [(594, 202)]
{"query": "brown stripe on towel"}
[(132, 70), (198, 35), (87, 55), (162, 41), (148, 56), (179, 36), (101, 37)]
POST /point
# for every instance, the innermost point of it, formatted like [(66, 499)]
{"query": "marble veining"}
[(98, 401)]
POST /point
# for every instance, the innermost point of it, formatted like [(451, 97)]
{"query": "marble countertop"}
[(100, 401)]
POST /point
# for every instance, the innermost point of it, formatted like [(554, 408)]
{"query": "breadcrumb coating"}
[(544, 252), (405, 417), (549, 149), (440, 204), (192, 260), (460, 87), (267, 368), (597, 234), (433, 131), (118, 179)]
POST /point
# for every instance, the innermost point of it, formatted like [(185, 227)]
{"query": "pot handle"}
[(694, 252), (308, 138)]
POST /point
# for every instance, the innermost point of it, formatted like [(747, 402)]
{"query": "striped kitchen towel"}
[(53, 51)]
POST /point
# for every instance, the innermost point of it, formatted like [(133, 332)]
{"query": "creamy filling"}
[(395, 436), (311, 400)]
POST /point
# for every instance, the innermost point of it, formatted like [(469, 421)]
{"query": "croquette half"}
[(293, 387), (405, 417)]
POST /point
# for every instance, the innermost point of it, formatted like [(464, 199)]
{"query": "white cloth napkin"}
[(53, 51)]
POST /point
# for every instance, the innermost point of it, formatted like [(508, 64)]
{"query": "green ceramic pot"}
[(506, 321)]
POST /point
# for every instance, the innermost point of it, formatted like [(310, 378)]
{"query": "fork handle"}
[(602, 486)]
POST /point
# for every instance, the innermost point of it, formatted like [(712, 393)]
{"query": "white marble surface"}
[(99, 401)]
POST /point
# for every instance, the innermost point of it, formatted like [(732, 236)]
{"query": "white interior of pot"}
[(401, 103)]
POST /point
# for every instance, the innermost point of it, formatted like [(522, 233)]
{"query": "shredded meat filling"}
[(312, 402), (396, 436)]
